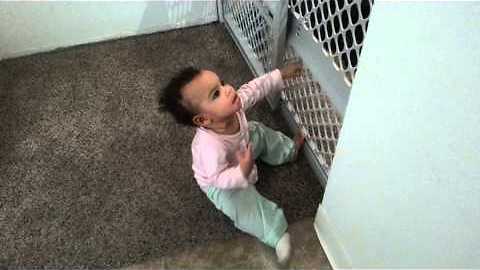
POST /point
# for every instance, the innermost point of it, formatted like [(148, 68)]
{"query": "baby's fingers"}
[(249, 148), (297, 69)]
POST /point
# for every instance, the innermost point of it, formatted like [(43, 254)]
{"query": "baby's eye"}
[(215, 94), (222, 83)]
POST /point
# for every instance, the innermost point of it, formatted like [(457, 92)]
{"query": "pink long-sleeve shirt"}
[(214, 155)]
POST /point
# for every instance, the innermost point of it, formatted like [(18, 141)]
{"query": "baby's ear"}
[(201, 120)]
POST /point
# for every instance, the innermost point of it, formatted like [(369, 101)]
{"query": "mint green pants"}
[(250, 211)]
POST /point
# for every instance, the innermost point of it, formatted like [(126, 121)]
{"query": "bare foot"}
[(299, 140)]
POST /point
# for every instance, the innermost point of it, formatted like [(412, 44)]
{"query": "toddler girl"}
[(226, 145)]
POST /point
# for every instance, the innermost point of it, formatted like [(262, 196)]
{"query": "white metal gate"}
[(327, 37)]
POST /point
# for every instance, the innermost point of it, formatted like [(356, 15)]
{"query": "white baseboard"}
[(329, 240)]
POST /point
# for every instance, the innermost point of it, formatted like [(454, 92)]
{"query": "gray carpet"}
[(92, 175)]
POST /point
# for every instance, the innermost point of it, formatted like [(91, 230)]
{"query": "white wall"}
[(404, 189), (30, 27)]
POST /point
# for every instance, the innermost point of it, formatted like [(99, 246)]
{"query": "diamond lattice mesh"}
[(338, 26), (305, 101), (313, 112), (254, 21)]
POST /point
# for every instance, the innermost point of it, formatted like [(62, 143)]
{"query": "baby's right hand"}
[(291, 70), (245, 159)]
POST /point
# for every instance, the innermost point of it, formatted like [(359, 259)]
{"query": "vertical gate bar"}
[(279, 33), (221, 19)]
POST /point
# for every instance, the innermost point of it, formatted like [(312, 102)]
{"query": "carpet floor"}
[(92, 175)]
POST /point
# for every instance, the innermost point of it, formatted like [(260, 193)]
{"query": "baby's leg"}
[(251, 213), (272, 147)]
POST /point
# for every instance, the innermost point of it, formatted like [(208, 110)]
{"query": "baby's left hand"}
[(291, 70)]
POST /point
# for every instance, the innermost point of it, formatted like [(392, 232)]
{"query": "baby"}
[(225, 147)]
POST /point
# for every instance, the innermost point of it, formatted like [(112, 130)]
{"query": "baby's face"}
[(210, 97)]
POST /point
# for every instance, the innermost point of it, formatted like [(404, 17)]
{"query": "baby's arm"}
[(258, 88), (211, 168), (228, 178), (255, 90)]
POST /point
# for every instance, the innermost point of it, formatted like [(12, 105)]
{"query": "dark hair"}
[(170, 98)]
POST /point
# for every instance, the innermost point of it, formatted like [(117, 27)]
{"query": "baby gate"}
[(327, 37)]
